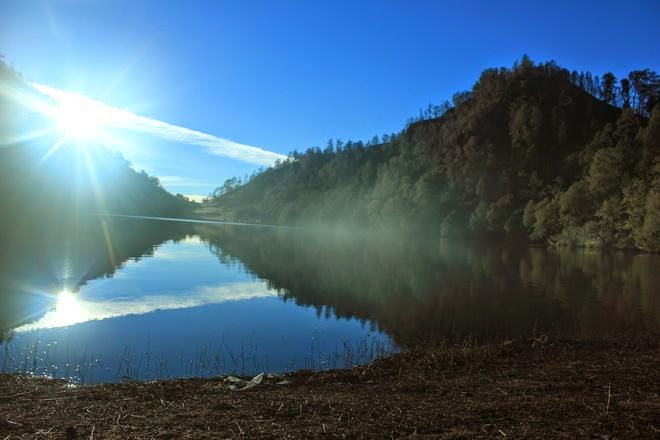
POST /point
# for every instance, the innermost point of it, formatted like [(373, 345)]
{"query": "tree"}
[(154, 181), (526, 64), (636, 77), (624, 92), (610, 219), (646, 90), (330, 146), (650, 136), (229, 186), (525, 124), (574, 204), (609, 88), (589, 84), (460, 97), (597, 88), (529, 215), (547, 222), (650, 236), (605, 171)]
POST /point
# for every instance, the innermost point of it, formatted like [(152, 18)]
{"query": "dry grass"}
[(524, 388)]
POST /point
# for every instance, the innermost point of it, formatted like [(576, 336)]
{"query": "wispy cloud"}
[(125, 120), (181, 181)]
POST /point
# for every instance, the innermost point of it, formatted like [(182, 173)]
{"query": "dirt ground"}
[(519, 389)]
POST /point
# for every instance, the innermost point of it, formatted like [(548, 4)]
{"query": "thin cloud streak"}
[(115, 117), (181, 181)]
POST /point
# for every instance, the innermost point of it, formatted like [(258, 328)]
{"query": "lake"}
[(129, 298)]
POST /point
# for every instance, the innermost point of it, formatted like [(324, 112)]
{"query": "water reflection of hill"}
[(39, 263), (416, 290), (420, 290)]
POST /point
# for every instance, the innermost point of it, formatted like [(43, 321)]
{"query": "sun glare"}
[(78, 120), (67, 310)]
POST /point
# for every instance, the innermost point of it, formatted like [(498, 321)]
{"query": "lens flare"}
[(77, 120), (68, 311)]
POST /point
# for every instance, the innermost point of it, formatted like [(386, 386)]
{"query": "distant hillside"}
[(42, 180), (527, 154)]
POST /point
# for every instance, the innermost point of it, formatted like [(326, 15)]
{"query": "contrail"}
[(115, 117)]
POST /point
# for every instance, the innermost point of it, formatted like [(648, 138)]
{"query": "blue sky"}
[(285, 75)]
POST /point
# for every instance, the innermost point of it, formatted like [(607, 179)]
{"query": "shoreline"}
[(362, 230), (516, 388)]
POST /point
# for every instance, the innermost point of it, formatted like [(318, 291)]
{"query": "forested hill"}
[(528, 153), (45, 180)]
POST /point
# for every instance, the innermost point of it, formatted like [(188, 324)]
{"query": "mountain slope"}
[(525, 154)]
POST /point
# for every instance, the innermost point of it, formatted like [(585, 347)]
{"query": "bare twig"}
[(17, 395)]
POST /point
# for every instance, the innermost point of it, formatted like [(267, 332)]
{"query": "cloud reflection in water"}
[(71, 309)]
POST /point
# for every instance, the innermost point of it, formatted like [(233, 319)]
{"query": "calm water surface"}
[(146, 299)]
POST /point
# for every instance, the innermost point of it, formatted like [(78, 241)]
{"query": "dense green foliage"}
[(527, 154)]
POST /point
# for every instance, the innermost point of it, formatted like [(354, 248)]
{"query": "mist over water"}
[(141, 298)]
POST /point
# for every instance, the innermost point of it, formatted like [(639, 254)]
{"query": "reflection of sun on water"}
[(67, 311), (70, 308)]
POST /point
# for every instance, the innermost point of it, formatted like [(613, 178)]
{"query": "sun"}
[(68, 310), (78, 120)]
